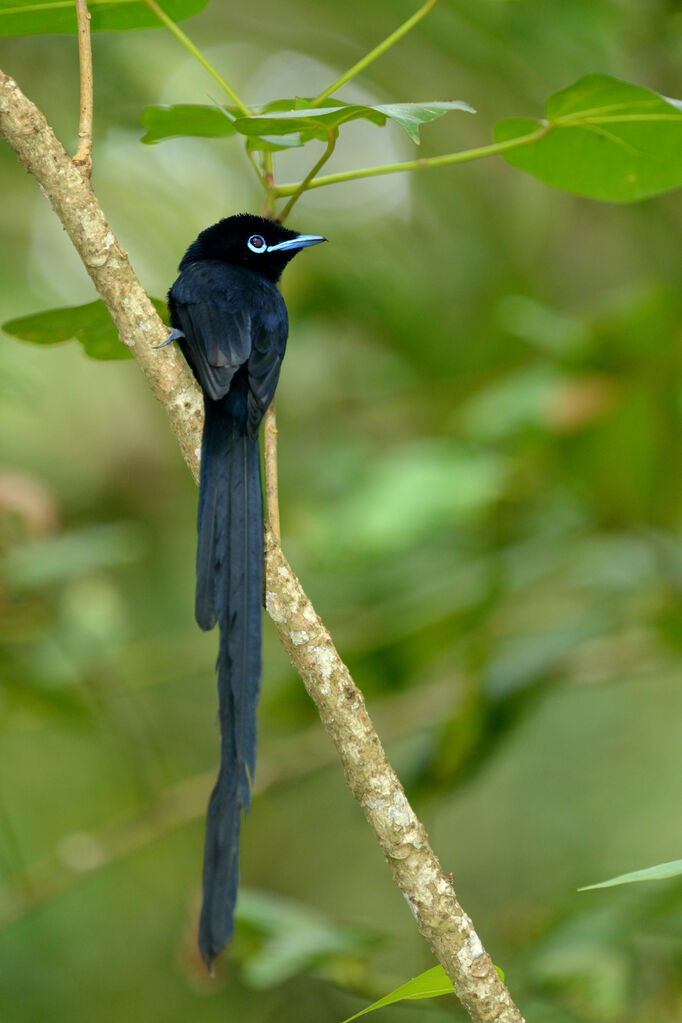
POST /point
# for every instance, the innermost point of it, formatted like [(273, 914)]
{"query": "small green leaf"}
[(657, 873), (431, 984), (317, 122), (192, 119), (89, 324), (33, 17), (605, 139), (411, 116)]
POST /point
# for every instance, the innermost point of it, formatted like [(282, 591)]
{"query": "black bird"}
[(231, 324)]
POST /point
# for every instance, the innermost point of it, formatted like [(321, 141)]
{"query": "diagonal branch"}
[(271, 475), (402, 838)]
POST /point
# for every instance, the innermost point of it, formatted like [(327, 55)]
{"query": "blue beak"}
[(302, 242)]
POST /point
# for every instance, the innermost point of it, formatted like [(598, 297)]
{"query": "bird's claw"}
[(174, 335)]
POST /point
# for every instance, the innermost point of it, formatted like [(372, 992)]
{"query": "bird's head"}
[(247, 240)]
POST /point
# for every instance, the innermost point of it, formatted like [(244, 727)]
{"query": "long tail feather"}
[(230, 591)]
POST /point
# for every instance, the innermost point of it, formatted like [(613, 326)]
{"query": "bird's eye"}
[(257, 243)]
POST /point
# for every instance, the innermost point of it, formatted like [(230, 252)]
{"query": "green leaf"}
[(606, 139), (657, 873), (411, 116), (89, 324), (318, 122), (192, 119), (431, 984), (31, 17)]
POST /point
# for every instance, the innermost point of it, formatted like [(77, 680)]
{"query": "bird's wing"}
[(205, 306), (269, 341)]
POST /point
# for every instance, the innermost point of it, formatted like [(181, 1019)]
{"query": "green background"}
[(479, 454)]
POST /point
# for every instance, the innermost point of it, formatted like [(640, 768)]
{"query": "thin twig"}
[(416, 870), (83, 157), (271, 477), (370, 57), (305, 184), (254, 163)]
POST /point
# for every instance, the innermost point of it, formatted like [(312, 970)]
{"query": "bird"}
[(230, 321)]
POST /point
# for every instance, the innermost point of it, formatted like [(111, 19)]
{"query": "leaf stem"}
[(432, 161), (197, 54), (305, 184), (378, 51)]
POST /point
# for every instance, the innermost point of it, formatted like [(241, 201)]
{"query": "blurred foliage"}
[(479, 446)]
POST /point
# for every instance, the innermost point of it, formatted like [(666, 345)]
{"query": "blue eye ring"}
[(257, 243)]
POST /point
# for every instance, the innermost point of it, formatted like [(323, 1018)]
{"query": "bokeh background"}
[(479, 451)]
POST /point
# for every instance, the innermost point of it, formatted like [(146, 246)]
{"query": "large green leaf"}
[(31, 17), (431, 984), (89, 324), (657, 873), (605, 139), (317, 122)]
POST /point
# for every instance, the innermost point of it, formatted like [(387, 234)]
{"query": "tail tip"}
[(210, 949)]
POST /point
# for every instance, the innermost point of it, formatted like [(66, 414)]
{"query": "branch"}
[(83, 157), (271, 476), (402, 838)]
